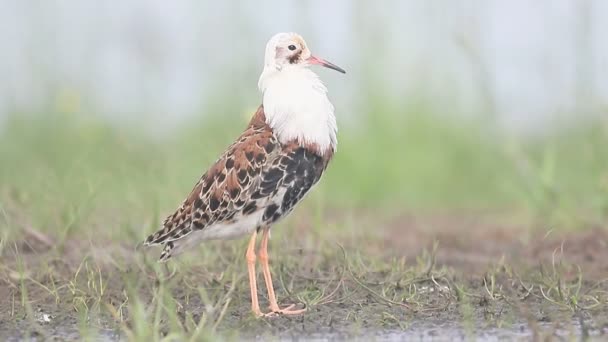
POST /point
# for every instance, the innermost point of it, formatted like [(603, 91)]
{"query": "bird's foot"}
[(278, 311), (287, 310)]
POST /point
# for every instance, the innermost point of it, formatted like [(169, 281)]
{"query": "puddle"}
[(417, 331), (454, 332)]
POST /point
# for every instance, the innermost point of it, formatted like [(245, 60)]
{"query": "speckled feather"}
[(257, 181)]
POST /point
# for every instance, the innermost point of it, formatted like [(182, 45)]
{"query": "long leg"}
[(250, 256), (263, 255)]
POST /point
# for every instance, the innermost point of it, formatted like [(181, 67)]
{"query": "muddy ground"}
[(416, 277)]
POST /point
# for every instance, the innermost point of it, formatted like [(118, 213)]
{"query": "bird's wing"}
[(225, 188)]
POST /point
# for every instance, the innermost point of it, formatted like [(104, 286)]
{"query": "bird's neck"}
[(296, 107)]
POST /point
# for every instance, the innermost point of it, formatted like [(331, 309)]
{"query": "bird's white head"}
[(295, 99), (289, 50)]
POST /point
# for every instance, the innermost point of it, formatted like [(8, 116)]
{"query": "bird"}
[(267, 171)]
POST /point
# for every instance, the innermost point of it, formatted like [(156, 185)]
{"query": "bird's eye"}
[(291, 47)]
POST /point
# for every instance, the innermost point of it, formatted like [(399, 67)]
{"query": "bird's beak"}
[(322, 62)]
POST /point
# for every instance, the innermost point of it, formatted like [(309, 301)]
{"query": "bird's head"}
[(289, 50)]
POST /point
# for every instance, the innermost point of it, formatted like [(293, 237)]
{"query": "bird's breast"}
[(297, 107)]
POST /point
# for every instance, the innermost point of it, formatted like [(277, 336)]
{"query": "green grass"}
[(95, 190), (62, 168)]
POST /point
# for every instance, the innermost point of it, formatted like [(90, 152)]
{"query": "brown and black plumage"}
[(267, 171), (256, 176)]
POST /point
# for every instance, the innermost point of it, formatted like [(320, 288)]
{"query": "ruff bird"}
[(268, 169)]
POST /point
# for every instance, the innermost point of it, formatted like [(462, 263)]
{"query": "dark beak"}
[(322, 62)]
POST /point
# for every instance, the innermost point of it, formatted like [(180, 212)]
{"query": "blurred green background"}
[(110, 113)]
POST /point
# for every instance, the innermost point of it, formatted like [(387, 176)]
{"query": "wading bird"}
[(261, 177)]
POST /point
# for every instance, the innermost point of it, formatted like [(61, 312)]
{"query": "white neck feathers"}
[(296, 106)]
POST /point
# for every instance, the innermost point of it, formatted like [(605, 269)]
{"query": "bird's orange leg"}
[(250, 256), (263, 255)]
